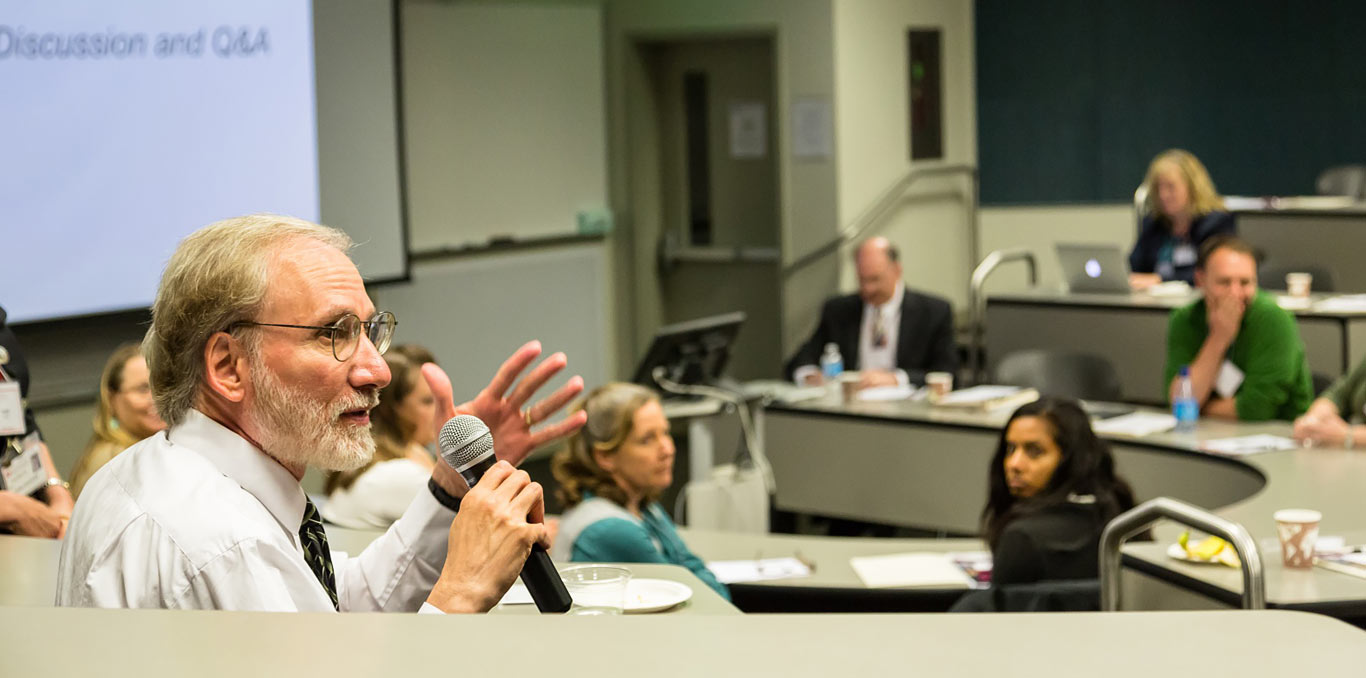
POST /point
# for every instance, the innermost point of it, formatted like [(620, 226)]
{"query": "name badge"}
[(1229, 380), (1183, 255), (11, 409), (24, 473)]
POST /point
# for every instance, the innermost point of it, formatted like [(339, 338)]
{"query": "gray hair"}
[(216, 277)]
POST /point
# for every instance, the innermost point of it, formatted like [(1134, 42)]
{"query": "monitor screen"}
[(693, 352)]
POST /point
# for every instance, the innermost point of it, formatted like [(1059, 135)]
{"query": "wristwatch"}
[(55, 481)]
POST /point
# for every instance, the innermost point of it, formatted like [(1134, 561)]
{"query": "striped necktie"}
[(879, 328), (316, 553)]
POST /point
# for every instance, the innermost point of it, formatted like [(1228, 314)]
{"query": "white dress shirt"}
[(378, 496), (199, 518), (871, 357)]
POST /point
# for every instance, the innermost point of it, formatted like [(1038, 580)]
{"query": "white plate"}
[(654, 595), (1175, 551)]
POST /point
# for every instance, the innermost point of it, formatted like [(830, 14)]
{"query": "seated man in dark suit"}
[(887, 332)]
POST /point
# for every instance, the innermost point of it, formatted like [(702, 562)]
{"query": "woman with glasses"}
[(375, 495), (124, 414)]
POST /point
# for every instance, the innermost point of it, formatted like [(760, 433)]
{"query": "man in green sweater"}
[(1245, 354)]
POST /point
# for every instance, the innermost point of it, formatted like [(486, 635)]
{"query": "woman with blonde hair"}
[(611, 472), (1182, 211), (124, 415), (403, 425)]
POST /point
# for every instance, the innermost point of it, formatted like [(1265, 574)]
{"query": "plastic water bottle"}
[(832, 363), (1184, 407)]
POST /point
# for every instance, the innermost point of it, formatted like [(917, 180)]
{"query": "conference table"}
[(28, 575), (911, 464), (164, 643), (1130, 330)]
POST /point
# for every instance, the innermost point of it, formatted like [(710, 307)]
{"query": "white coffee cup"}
[(1298, 529), (1299, 284), (940, 384)]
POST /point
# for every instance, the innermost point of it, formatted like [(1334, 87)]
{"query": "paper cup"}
[(1298, 529), (1298, 284), (940, 383), (596, 589), (849, 386)]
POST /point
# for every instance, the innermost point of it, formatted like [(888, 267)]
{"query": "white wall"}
[(504, 117), (872, 119)]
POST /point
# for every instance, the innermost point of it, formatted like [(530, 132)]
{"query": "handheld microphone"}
[(467, 445)]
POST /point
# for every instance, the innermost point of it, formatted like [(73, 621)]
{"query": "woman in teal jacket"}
[(610, 474)]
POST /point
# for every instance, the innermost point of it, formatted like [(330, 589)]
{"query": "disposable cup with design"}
[(848, 387), (1299, 284), (596, 589), (939, 383), (1297, 529)]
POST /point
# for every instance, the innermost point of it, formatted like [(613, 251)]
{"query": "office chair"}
[(1348, 180), (1084, 376), (1272, 276)]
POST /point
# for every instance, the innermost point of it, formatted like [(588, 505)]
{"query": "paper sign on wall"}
[(811, 128), (748, 129)]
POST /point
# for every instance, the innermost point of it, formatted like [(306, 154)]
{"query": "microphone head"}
[(465, 440)]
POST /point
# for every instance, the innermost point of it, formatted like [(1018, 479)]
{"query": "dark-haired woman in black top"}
[(1051, 489)]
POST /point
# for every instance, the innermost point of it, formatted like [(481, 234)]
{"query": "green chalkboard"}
[(1075, 97)]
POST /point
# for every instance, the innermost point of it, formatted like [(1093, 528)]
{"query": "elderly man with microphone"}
[(265, 353)]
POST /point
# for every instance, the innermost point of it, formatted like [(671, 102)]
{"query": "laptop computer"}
[(1094, 268)]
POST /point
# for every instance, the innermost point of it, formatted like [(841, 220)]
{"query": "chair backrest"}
[(1084, 376), (1063, 595), (1272, 276), (1348, 180), (1321, 382)]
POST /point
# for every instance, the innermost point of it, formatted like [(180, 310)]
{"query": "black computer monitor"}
[(693, 352)]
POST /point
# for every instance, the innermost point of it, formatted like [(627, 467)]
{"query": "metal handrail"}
[(885, 201), (1139, 518), (978, 300)]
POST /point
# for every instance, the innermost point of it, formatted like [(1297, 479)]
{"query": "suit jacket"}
[(925, 340)]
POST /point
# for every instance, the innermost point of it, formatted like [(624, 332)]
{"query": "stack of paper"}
[(740, 571), (936, 570), (1242, 446), (1136, 424), (988, 397), (1346, 303)]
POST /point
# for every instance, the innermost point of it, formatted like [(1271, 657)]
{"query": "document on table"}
[(885, 393), (936, 570), (741, 571), (1244, 445), (1345, 303), (1136, 424)]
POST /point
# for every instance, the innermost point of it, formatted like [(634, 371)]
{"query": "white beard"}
[(297, 429)]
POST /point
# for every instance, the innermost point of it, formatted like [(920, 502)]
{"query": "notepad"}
[(1242, 446), (936, 570), (1136, 424), (988, 397), (740, 571)]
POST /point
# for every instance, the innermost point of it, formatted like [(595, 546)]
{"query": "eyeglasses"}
[(345, 333)]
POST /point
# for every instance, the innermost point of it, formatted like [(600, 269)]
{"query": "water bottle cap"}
[(832, 347), (1185, 370)]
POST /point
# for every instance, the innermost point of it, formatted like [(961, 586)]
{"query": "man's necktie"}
[(316, 553), (879, 328)]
